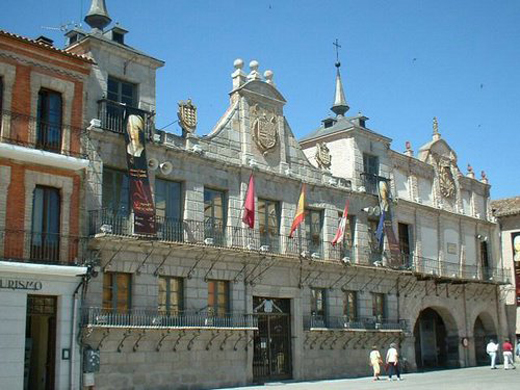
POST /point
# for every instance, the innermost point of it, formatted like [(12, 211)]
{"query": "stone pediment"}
[(260, 89)]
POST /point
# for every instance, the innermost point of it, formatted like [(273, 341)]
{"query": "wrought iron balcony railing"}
[(155, 319), (42, 248), (213, 232), (31, 132), (346, 323), (112, 117)]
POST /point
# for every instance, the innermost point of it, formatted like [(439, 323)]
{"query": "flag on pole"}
[(340, 234), (249, 206), (380, 228), (300, 212)]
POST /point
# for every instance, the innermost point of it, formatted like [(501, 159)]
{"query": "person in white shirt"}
[(375, 362), (491, 350), (392, 360)]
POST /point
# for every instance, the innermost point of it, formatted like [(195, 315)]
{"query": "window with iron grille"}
[(405, 245), (379, 306), (48, 128), (45, 230), (120, 91), (116, 196), (218, 298), (318, 302), (269, 222), (171, 295), (350, 305), (214, 214), (168, 208), (117, 291), (313, 230)]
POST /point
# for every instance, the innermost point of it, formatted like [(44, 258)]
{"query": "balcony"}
[(371, 182), (214, 233), (42, 248), (346, 323), (112, 117), (30, 132), (95, 317)]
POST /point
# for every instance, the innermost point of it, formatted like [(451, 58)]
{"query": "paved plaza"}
[(467, 378)]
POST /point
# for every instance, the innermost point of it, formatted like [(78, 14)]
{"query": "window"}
[(45, 231), (313, 226), (171, 295), (116, 191), (378, 306), (218, 298), (48, 129), (318, 297), (168, 209), (484, 260), (214, 215), (120, 91), (269, 223), (117, 291), (350, 308), (404, 243), (370, 172)]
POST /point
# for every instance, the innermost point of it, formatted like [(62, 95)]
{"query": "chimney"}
[(44, 40)]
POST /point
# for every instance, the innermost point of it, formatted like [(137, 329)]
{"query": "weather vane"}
[(338, 46)]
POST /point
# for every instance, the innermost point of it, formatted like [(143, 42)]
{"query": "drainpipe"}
[(72, 334)]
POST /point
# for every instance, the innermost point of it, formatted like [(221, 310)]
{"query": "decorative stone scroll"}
[(446, 180)]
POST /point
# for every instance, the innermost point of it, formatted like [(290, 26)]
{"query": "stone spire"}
[(97, 16), (436, 135), (340, 106)]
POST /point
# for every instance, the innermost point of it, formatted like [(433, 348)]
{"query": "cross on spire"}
[(338, 46)]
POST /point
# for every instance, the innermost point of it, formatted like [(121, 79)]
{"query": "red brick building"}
[(42, 165)]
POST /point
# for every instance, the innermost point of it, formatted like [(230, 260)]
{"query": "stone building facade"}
[(209, 302), (507, 213), (42, 166)]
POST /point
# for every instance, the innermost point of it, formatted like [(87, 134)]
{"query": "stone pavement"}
[(475, 378)]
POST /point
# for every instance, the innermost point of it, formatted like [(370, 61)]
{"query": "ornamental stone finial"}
[(436, 134), (471, 173), (409, 151)]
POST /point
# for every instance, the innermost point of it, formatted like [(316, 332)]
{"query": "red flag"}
[(249, 206), (340, 234), (300, 212)]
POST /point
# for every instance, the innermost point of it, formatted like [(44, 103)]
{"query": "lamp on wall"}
[(482, 238)]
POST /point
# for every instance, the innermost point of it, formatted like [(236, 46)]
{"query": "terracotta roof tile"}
[(507, 206)]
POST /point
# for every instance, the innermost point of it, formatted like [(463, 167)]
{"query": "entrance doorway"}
[(433, 347), (483, 331), (40, 343), (272, 341)]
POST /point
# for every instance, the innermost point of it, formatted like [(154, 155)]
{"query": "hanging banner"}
[(515, 241), (140, 192), (386, 212)]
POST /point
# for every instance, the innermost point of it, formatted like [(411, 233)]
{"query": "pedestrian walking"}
[(517, 352), (507, 351), (375, 362), (491, 350), (392, 361)]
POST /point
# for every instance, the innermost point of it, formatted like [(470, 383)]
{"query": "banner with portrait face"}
[(515, 241), (141, 199)]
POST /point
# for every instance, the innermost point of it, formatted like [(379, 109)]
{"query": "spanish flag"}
[(300, 212)]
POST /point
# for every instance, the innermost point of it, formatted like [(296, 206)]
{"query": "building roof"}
[(48, 47), (505, 207)]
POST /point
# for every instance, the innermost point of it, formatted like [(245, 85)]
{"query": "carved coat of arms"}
[(323, 157), (446, 180), (264, 128), (187, 114)]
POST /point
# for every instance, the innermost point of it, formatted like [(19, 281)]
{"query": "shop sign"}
[(15, 284)]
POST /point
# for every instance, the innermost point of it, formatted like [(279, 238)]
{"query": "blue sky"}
[(403, 62)]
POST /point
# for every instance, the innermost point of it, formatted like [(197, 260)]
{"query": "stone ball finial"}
[(409, 151), (253, 65), (408, 145), (268, 74), (238, 63), (470, 174), (483, 177)]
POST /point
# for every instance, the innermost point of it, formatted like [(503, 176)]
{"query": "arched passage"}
[(483, 331), (436, 340)]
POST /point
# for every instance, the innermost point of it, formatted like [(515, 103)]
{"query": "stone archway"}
[(483, 331), (436, 339)]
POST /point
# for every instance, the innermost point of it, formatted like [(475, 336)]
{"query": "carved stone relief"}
[(323, 157), (264, 128)]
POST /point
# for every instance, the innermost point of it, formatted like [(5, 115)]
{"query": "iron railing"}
[(41, 247), (31, 132), (213, 232), (112, 117), (150, 318), (346, 322)]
